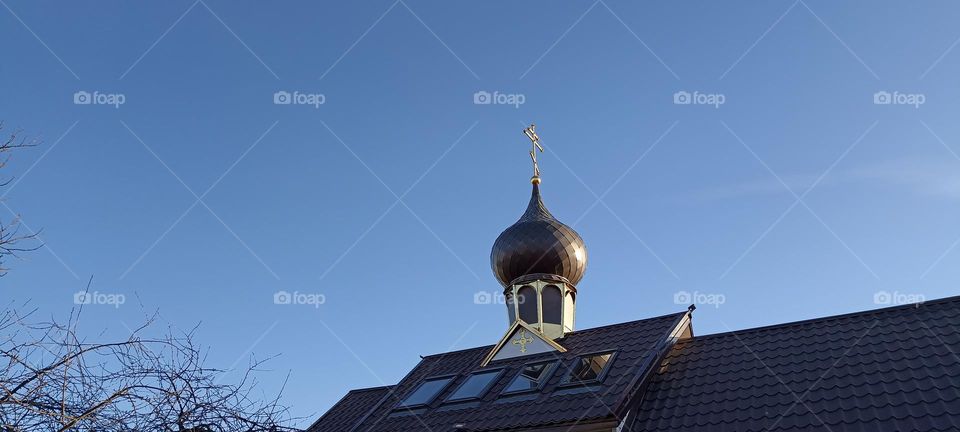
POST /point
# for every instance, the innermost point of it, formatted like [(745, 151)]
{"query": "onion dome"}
[(538, 244)]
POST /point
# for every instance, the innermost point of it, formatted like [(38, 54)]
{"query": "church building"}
[(895, 369)]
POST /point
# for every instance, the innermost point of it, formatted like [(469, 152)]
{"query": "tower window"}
[(590, 368), (527, 299), (426, 392), (476, 385), (531, 377), (511, 308), (568, 304), (552, 304)]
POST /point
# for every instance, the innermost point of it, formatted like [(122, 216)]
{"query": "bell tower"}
[(539, 261)]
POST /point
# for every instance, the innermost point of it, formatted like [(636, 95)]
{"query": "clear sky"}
[(798, 196)]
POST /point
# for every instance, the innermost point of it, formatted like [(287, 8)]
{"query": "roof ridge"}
[(456, 351), (626, 323), (828, 318)]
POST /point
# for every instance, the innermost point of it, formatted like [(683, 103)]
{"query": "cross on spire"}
[(531, 133)]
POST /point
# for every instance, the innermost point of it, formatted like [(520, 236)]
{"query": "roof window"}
[(426, 392)]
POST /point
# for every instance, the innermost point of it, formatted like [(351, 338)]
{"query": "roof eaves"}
[(585, 426)]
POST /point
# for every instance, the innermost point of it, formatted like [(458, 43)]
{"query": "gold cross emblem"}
[(523, 340), (531, 133)]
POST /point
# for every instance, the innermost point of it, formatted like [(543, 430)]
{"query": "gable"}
[(521, 340)]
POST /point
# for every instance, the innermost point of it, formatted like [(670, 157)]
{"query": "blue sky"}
[(802, 195)]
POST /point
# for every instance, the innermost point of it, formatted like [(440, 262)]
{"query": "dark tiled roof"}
[(638, 344), (894, 369), (349, 410)]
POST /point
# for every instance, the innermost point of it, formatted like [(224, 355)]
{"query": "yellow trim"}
[(510, 331)]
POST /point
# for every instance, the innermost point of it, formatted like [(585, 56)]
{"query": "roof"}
[(893, 369), (638, 344), (350, 409)]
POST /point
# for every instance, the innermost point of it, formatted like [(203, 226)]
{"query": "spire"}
[(536, 210)]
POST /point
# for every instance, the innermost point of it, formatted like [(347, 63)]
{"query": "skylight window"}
[(426, 392), (476, 385), (590, 368), (531, 377)]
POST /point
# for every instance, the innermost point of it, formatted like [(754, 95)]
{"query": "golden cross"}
[(535, 141), (523, 341)]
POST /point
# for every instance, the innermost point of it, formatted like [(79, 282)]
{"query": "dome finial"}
[(531, 133)]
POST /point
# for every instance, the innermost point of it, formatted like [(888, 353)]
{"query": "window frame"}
[(548, 372), (558, 308), (569, 380), (498, 373), (450, 379), (535, 298)]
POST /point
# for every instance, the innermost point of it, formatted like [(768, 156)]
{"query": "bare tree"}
[(52, 380), (12, 241)]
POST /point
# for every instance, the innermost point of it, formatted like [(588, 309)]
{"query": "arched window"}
[(552, 304), (527, 299), (511, 308), (568, 303)]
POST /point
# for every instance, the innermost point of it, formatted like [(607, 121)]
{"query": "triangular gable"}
[(521, 340)]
